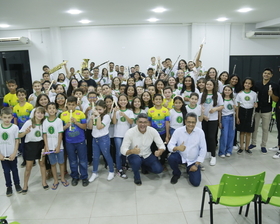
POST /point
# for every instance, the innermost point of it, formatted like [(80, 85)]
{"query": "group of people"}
[(138, 121)]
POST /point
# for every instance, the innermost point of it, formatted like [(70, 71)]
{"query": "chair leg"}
[(240, 210), (202, 203), (260, 210), (211, 212), (247, 210), (256, 211)]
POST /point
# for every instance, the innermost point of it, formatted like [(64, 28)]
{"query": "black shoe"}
[(24, 192), (74, 182), (18, 188), (138, 182), (248, 151), (23, 164), (240, 151), (144, 171), (174, 179), (34, 163), (85, 182), (9, 191)]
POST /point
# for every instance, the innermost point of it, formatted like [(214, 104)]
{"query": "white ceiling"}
[(52, 13)]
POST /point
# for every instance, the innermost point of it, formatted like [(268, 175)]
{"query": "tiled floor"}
[(120, 201)]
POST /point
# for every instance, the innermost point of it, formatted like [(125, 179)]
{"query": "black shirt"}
[(262, 90), (90, 82)]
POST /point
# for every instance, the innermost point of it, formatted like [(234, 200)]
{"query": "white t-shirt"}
[(176, 119), (197, 111), (208, 105), (139, 83), (247, 100), (122, 125), (193, 74), (52, 129), (188, 93), (65, 84), (171, 73), (104, 131), (220, 87), (105, 80), (112, 74), (33, 102), (152, 66), (35, 135), (228, 107), (7, 139)]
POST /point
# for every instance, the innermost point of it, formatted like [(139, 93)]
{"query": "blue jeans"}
[(150, 164), (101, 144), (171, 131), (194, 176), (120, 159), (9, 166), (77, 155), (227, 135)]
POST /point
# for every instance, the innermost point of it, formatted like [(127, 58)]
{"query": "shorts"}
[(56, 158)]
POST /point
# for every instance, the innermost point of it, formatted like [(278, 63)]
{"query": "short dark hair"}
[(85, 69), (45, 66), (167, 59), (51, 103), (7, 111), (142, 115), (78, 90), (150, 69), (11, 81), (45, 74), (21, 90), (191, 114), (194, 94), (268, 69), (72, 99)]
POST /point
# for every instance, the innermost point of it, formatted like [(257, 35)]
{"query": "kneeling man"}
[(137, 147), (187, 145)]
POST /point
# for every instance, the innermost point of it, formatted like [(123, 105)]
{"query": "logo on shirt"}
[(208, 100), (123, 119), (78, 113), (38, 134), (247, 98), (179, 119), (51, 130), (5, 136), (229, 107)]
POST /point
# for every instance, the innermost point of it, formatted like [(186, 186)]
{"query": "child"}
[(159, 118), (74, 122), (224, 78), (100, 122), (212, 102), (212, 74), (147, 101), (195, 108), (116, 84), (122, 119), (92, 98), (131, 92), (60, 102), (136, 106), (82, 102), (21, 113), (147, 81), (62, 80), (37, 87), (99, 92), (159, 86), (73, 85), (122, 88), (130, 81), (177, 114), (91, 89), (10, 99), (188, 88), (52, 134), (167, 100), (152, 90), (138, 79), (201, 84), (57, 89), (171, 82), (180, 79), (227, 123), (139, 90), (105, 77), (34, 145), (9, 146), (247, 101)]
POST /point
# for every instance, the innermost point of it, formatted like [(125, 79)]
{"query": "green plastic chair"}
[(234, 191), (270, 194), (4, 221)]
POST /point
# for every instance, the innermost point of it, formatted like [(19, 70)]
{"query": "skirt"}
[(33, 150), (245, 118)]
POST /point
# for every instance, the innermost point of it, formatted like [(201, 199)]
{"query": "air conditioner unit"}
[(263, 34), (14, 40)]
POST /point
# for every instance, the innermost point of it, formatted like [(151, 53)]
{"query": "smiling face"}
[(51, 109), (137, 103), (267, 75), (171, 81), (178, 104), (109, 103), (21, 97), (6, 119), (123, 102), (157, 101), (142, 124), (100, 109), (188, 82), (233, 81), (227, 91), (60, 99), (130, 91), (146, 97), (212, 73), (248, 84), (43, 101), (39, 115), (209, 86), (106, 90), (190, 124)]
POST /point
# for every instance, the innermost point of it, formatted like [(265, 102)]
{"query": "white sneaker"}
[(93, 177), (111, 176), (235, 147), (213, 161), (275, 148), (276, 156), (228, 155), (222, 156)]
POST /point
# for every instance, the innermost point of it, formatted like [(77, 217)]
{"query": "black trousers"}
[(164, 155), (209, 128)]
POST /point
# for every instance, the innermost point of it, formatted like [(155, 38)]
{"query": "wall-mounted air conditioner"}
[(263, 34), (14, 40)]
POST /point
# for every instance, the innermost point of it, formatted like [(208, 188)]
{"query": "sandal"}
[(65, 184), (54, 187), (46, 187)]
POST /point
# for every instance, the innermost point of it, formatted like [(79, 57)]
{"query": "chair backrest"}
[(232, 185), (275, 187)]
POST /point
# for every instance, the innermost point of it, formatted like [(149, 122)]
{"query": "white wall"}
[(129, 45)]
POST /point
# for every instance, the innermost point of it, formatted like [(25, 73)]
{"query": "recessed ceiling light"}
[(222, 19), (84, 21), (152, 20), (4, 25), (245, 10), (159, 10), (74, 11)]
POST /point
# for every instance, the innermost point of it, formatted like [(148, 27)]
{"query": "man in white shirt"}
[(137, 147), (188, 146)]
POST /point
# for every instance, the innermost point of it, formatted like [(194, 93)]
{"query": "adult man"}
[(267, 92), (87, 79), (137, 69), (112, 73), (187, 145), (170, 70), (136, 145)]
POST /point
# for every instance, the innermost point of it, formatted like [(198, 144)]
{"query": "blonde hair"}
[(36, 82), (33, 119)]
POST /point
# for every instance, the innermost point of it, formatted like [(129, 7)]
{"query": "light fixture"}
[(222, 19), (159, 10), (152, 20), (4, 25), (84, 21), (244, 10), (74, 11)]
